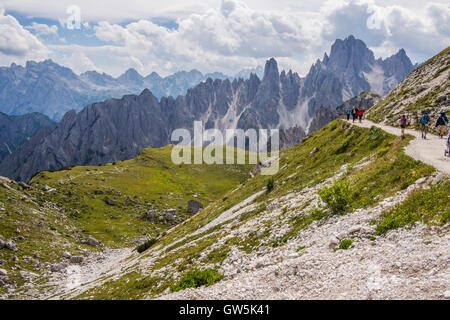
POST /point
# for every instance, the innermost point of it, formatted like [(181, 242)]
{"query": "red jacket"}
[(360, 112)]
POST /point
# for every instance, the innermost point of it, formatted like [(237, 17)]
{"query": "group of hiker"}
[(355, 113), (441, 124)]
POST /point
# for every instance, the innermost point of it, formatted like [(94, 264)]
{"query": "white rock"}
[(438, 178), (3, 272), (447, 294), (421, 180), (67, 255), (334, 242)]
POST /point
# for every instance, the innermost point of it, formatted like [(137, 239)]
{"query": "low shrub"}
[(345, 244), (196, 279), (337, 197), (143, 247)]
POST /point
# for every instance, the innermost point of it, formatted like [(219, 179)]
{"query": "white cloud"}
[(43, 29), (18, 44), (226, 39), (229, 35), (385, 29)]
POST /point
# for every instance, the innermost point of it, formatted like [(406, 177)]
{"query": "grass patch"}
[(196, 279), (428, 206), (345, 244)]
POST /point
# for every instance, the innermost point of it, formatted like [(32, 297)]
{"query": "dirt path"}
[(429, 151)]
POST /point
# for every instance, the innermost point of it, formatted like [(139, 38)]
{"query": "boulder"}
[(110, 202), (420, 88), (3, 272), (334, 242), (24, 186), (67, 255), (77, 259), (151, 215), (58, 267), (421, 180), (441, 98), (169, 216), (2, 244), (92, 242), (438, 178), (10, 245), (194, 206), (313, 151)]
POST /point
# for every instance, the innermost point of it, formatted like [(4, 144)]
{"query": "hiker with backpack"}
[(348, 112), (354, 113), (360, 114), (441, 124), (403, 122), (424, 124)]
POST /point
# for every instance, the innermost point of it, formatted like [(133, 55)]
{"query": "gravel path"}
[(429, 151)]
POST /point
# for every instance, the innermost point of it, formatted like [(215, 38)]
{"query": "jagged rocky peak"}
[(131, 75), (350, 52), (271, 70)]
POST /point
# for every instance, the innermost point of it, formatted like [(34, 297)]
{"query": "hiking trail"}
[(429, 151)]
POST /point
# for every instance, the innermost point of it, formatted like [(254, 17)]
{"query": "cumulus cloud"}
[(387, 28), (18, 44), (226, 38), (230, 35), (43, 29)]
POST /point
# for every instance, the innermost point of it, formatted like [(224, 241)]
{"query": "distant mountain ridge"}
[(118, 129), (51, 89), (15, 130)]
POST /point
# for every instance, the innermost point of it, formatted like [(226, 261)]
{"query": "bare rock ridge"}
[(118, 129)]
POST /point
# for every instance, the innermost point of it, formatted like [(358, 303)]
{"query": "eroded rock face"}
[(194, 206)]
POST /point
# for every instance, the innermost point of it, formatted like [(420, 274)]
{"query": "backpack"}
[(425, 119)]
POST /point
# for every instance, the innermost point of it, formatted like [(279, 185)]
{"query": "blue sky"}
[(213, 35)]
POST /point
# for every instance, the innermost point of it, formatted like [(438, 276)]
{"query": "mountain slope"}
[(426, 88), (15, 130), (285, 243), (120, 205)]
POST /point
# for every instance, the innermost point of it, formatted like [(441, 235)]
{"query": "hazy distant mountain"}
[(51, 89), (15, 130), (119, 129)]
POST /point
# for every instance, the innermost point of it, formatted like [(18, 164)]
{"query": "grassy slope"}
[(151, 179), (389, 170), (72, 212)]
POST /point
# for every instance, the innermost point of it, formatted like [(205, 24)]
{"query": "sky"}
[(212, 35)]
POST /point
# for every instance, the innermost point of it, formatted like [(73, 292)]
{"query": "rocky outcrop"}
[(323, 116), (194, 206)]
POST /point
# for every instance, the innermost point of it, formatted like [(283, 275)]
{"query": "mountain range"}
[(118, 129), (52, 90)]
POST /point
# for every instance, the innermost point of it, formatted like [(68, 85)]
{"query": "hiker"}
[(447, 147), (424, 124), (360, 114), (403, 121), (348, 112), (441, 124), (354, 113)]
